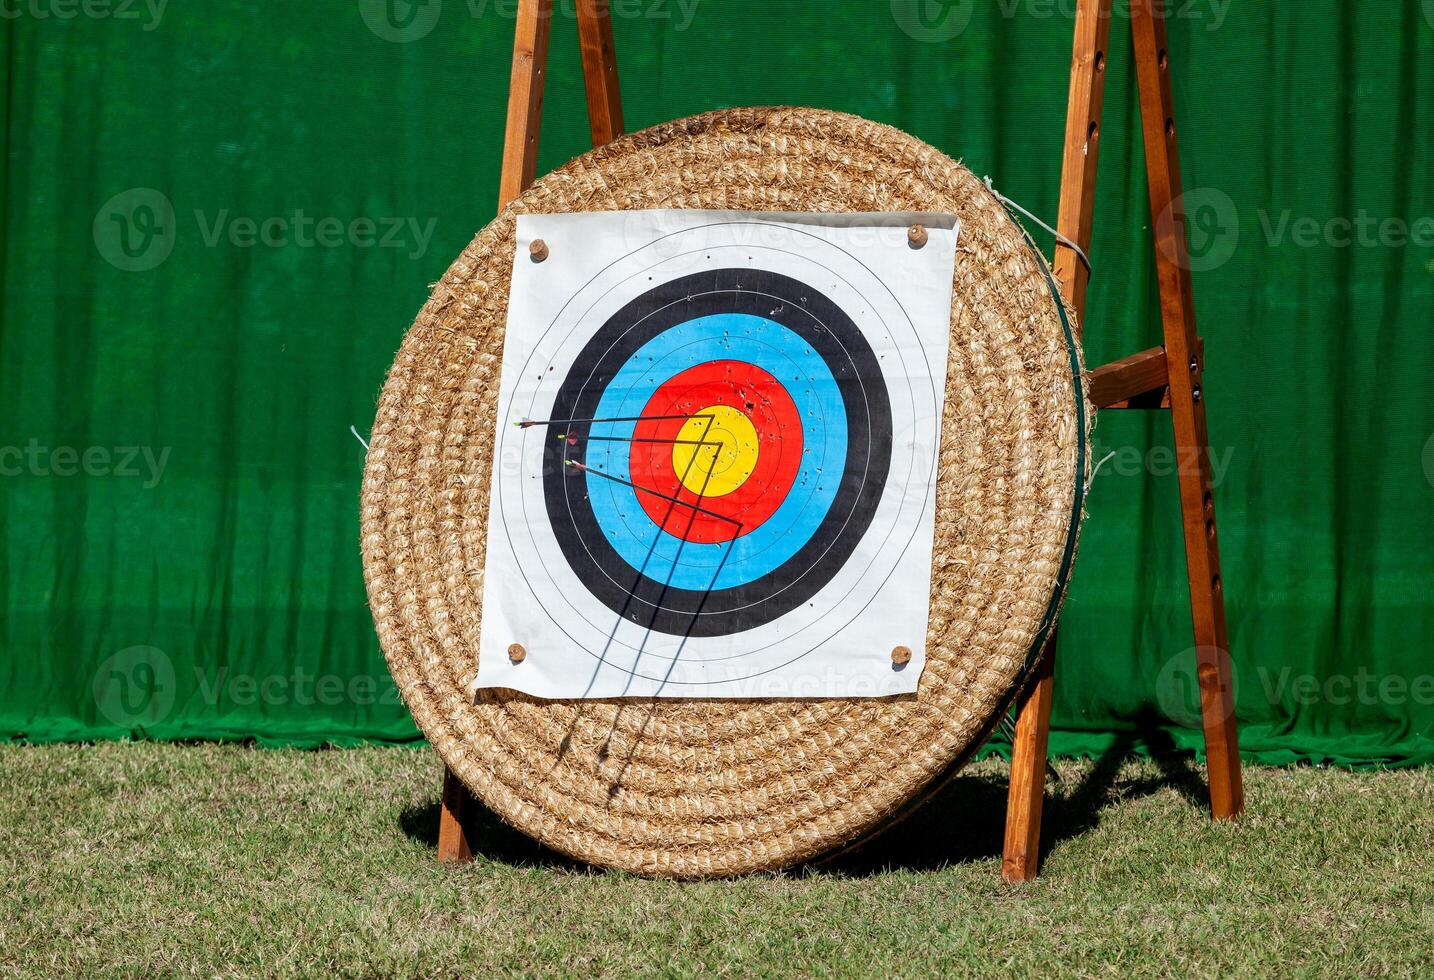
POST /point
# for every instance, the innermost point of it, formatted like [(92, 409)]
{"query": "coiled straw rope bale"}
[(694, 788)]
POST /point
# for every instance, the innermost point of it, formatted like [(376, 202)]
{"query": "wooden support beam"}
[(1076, 213), (520, 165), (1025, 797), (525, 98), (1187, 406), (599, 71), (1075, 217), (453, 843)]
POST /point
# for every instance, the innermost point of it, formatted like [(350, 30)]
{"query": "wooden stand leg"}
[(599, 71), (453, 843), (1184, 358), (1026, 797), (525, 98), (520, 163), (1172, 374), (1076, 216)]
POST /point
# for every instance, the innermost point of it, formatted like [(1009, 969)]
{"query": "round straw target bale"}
[(691, 788)]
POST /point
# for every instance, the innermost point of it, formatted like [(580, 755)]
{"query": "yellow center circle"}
[(716, 451)]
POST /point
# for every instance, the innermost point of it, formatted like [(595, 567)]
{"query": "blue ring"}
[(780, 352)]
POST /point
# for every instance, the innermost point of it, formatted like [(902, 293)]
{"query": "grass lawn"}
[(160, 859)]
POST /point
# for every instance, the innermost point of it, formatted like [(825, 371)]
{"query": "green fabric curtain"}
[(220, 217)]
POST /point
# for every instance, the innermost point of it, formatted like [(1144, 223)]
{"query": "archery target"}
[(716, 451), (463, 559)]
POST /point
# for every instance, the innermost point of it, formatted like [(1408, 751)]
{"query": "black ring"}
[(854, 366)]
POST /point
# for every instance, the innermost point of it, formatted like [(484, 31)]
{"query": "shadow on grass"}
[(491, 838), (964, 822)]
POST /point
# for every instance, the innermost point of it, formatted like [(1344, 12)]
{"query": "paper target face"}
[(715, 458)]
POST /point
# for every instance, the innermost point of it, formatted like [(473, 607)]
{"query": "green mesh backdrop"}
[(220, 217)]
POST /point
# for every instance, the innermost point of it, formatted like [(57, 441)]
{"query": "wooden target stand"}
[(1168, 377)]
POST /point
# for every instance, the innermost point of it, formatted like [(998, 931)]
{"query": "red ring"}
[(774, 415)]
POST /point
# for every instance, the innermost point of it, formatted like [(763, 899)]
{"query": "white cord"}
[(1080, 253), (1108, 457), (359, 438)]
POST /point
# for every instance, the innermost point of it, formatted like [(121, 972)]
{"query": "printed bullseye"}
[(715, 452)]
